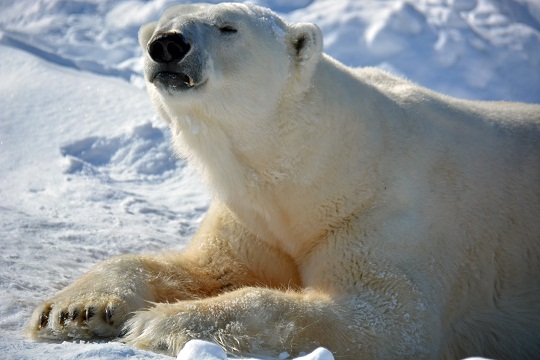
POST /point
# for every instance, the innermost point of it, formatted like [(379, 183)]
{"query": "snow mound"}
[(318, 354), (143, 154), (205, 350), (201, 350)]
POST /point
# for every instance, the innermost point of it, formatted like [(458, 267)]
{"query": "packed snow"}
[(86, 168)]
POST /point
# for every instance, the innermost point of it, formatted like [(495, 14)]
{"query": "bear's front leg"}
[(98, 303), (102, 300), (247, 321)]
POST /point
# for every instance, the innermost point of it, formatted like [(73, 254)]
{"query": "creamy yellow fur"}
[(352, 210)]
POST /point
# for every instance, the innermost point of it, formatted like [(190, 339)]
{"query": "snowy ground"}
[(86, 170)]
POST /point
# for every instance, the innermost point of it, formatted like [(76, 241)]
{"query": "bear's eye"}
[(227, 29)]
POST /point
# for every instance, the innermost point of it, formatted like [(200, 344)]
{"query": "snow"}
[(201, 350), (86, 169)]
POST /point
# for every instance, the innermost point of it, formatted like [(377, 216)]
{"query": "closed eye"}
[(228, 29)]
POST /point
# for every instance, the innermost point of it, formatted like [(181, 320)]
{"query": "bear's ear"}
[(145, 33), (304, 42)]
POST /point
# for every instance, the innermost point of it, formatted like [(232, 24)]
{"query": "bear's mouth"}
[(173, 80)]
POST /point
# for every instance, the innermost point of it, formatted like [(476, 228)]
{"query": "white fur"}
[(353, 209)]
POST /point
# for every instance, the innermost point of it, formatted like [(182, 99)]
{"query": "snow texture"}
[(86, 168)]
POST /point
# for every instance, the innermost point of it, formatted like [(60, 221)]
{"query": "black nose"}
[(168, 48)]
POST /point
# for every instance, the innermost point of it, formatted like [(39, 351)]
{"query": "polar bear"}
[(351, 209)]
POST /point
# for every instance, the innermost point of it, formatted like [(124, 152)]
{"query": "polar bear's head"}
[(221, 75), (225, 58)]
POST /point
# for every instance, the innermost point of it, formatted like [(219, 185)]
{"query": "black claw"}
[(43, 319), (123, 332), (62, 317), (75, 315), (163, 346), (89, 313), (108, 315)]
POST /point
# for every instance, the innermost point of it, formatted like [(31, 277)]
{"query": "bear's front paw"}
[(64, 318), (97, 304)]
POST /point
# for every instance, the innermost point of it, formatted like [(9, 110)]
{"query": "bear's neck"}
[(320, 160)]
